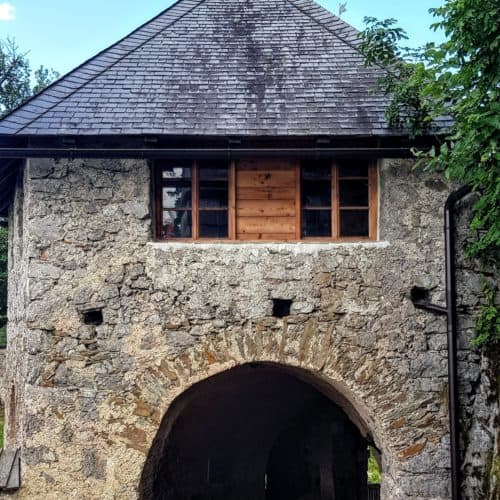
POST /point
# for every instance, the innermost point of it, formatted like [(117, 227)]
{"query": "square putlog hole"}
[(281, 307), (93, 317), (419, 295)]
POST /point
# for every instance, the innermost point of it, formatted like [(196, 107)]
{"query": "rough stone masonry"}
[(85, 401)]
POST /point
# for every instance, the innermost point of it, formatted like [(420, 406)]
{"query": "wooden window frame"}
[(372, 204), (159, 183), (232, 207)]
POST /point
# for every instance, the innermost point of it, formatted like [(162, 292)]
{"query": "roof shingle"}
[(218, 67)]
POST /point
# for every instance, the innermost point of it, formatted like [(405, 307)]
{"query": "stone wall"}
[(14, 372), (93, 396), (479, 371)]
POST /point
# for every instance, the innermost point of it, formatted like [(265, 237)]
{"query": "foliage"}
[(16, 77), (451, 91), (488, 323), (373, 469), (405, 79), (43, 78)]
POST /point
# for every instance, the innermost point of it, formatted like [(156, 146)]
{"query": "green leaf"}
[(460, 79)]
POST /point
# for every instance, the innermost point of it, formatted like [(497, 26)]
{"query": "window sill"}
[(275, 245)]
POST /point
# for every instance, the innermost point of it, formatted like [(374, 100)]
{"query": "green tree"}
[(17, 81), (453, 86)]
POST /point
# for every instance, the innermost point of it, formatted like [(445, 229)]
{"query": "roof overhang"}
[(151, 147), (15, 149)]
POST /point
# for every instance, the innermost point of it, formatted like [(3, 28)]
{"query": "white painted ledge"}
[(299, 247)]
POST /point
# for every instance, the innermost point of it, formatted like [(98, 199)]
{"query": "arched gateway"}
[(217, 189), (259, 431)]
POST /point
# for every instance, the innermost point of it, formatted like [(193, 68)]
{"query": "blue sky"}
[(63, 33)]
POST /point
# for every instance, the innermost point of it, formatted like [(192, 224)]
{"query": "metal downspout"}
[(451, 306), (451, 327)]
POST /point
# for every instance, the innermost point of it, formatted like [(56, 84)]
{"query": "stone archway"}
[(259, 431)]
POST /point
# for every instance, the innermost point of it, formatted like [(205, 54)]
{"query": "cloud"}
[(7, 12)]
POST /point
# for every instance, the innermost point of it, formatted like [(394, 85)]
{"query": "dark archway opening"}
[(257, 433)]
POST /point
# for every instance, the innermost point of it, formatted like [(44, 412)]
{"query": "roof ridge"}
[(306, 7), (104, 52)]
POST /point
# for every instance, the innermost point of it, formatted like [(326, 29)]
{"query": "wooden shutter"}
[(266, 200)]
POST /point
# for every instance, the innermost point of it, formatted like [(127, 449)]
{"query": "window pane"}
[(353, 193), (316, 223), (213, 224), (177, 196), (353, 169), (316, 193), (213, 173), (318, 171), (176, 224), (213, 194), (176, 171), (354, 223)]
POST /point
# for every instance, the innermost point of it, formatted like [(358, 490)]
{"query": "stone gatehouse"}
[(214, 238)]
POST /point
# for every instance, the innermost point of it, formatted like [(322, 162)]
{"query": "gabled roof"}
[(218, 67)]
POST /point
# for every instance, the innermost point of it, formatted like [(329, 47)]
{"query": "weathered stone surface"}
[(88, 399), (479, 374)]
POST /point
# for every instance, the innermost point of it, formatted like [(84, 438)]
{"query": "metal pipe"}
[(451, 306), (198, 153), (434, 308)]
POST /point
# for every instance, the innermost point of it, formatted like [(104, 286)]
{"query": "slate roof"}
[(218, 67)]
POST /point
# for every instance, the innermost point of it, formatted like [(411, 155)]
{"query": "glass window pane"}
[(214, 194), (354, 223), (353, 168), (213, 224), (176, 171), (215, 172), (316, 223), (177, 196), (316, 171), (316, 193), (176, 224), (353, 193)]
